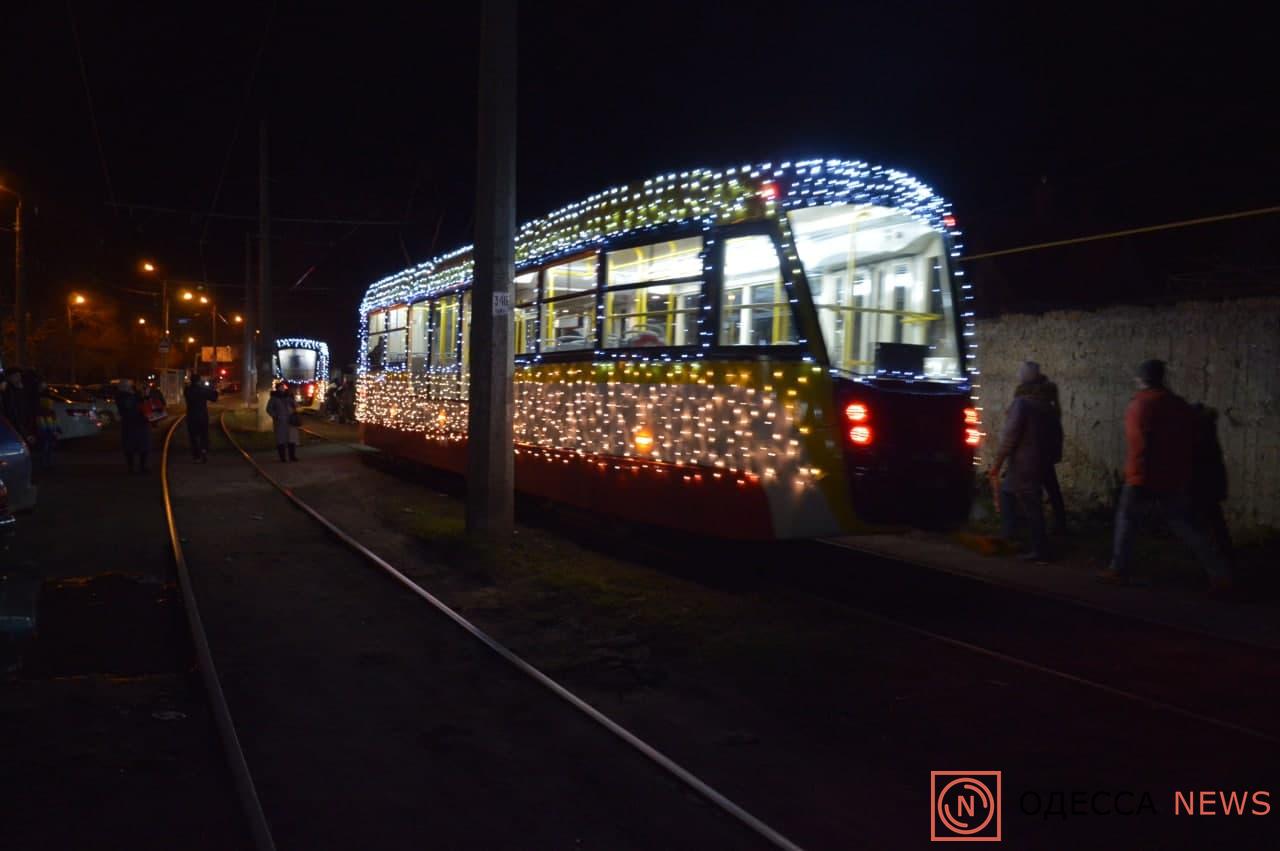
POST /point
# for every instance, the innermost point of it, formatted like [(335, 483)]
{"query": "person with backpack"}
[(1159, 430), (1025, 443), (1033, 382)]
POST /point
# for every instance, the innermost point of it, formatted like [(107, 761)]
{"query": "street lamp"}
[(19, 289), (237, 319), (142, 320), (187, 296), (190, 340), (73, 301), (148, 266)]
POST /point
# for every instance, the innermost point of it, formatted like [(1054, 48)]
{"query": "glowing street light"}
[(191, 340), (204, 300), (187, 296), (142, 320), (76, 298), (237, 319), (148, 266)]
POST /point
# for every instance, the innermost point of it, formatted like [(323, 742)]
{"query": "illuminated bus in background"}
[(305, 365), (764, 351)]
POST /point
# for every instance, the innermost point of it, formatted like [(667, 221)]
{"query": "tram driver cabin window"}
[(878, 276), (568, 315), (754, 307)]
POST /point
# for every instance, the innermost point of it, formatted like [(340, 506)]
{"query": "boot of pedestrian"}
[(280, 451), (293, 452)]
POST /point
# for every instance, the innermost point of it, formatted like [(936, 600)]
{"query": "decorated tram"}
[(764, 351), (305, 365)]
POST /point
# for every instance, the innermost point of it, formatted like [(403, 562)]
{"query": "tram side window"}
[(377, 342), (419, 336), (568, 314), (397, 338), (754, 308), (526, 313), (653, 294), (444, 331)]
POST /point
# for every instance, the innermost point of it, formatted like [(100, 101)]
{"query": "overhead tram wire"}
[(1057, 243), (88, 96), (235, 133)]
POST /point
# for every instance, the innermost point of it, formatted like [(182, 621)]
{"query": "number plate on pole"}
[(501, 304)]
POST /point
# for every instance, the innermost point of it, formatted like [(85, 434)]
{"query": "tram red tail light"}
[(856, 412), (972, 434), (860, 435)]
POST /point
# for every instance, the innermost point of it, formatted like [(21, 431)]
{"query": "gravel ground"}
[(104, 733)]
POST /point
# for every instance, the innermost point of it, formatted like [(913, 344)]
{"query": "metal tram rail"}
[(648, 751), (245, 789)]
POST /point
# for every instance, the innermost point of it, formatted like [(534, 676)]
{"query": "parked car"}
[(104, 399), (15, 469), (74, 419)]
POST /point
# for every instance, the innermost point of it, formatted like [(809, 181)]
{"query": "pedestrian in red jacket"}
[(1159, 432)]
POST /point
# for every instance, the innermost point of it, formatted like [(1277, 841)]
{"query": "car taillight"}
[(311, 389), (972, 434), (858, 414)]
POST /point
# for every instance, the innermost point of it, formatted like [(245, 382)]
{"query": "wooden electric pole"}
[(490, 450), (265, 347)]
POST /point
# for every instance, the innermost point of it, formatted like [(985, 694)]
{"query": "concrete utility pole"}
[(19, 286), (490, 450), (265, 347), (248, 383)]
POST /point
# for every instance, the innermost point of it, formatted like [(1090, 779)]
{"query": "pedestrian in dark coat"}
[(15, 403), (1026, 445), (1159, 429), (1033, 382), (135, 430), (283, 410), (198, 394)]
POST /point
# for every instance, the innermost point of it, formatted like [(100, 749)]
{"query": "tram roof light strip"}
[(691, 196)]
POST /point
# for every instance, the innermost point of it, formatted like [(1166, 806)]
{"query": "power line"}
[(152, 208), (88, 96), (1262, 211)]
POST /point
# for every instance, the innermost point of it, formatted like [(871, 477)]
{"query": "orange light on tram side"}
[(644, 440), (972, 437), (971, 416), (856, 412), (769, 191), (860, 435)]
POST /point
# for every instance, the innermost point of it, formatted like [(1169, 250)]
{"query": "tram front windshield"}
[(879, 276), (298, 364)]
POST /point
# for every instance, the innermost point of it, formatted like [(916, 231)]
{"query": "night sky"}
[(1036, 127)]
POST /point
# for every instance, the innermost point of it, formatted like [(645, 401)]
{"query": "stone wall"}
[(1226, 354)]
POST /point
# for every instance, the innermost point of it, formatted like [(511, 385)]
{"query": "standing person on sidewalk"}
[(1159, 431), (198, 395), (1024, 443), (135, 431), (46, 427), (283, 411), (1033, 382)]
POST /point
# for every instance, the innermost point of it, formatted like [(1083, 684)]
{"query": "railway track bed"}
[(358, 703)]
